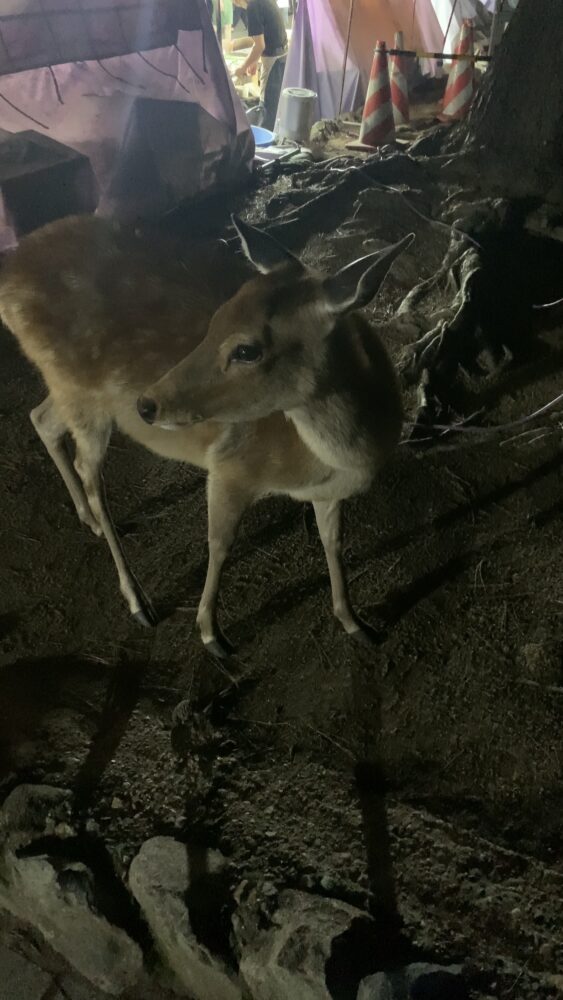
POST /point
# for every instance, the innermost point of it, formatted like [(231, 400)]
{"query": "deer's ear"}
[(358, 283), (263, 250)]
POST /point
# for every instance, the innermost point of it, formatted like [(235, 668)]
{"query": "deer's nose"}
[(147, 409)]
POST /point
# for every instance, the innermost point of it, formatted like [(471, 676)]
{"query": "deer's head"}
[(265, 347)]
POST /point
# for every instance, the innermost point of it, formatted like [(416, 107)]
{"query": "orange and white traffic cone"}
[(399, 85), (461, 81), (378, 127)]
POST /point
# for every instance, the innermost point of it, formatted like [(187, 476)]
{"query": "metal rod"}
[(345, 64), (413, 25), (436, 55), (219, 27), (452, 12)]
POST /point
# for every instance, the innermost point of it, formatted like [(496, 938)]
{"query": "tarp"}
[(97, 83), (316, 54), (45, 32)]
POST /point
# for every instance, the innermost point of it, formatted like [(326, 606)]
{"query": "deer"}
[(257, 369)]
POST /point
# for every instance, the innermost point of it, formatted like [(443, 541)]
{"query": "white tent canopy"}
[(451, 13)]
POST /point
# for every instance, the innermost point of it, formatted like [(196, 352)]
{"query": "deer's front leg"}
[(226, 503), (329, 520)]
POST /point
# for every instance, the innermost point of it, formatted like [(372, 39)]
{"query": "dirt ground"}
[(423, 775)]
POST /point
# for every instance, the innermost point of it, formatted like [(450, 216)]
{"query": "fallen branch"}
[(552, 688), (478, 435)]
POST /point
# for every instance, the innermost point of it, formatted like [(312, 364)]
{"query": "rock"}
[(24, 980), (74, 989), (55, 895), (294, 952), (540, 661), (545, 221), (419, 981), (378, 987), (33, 811), (302, 156), (322, 131), (161, 878), (328, 883), (477, 216), (435, 982), (430, 142)]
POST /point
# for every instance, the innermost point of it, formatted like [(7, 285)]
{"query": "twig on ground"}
[(358, 573), (478, 576), (478, 435), (291, 724), (518, 977), (552, 688), (324, 736), (92, 658), (321, 649)]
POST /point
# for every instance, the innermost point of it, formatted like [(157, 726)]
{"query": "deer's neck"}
[(352, 421), (329, 427)]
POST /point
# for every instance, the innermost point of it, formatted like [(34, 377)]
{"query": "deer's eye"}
[(246, 353)]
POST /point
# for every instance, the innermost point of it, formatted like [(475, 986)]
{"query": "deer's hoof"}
[(220, 648), (367, 636), (142, 619), (146, 616)]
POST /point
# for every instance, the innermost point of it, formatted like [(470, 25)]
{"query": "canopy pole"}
[(344, 67), (219, 27), (447, 31), (413, 26)]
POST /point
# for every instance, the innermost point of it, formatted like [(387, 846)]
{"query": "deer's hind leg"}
[(91, 433), (51, 429)]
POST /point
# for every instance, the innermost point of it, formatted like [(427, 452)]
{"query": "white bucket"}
[(296, 114)]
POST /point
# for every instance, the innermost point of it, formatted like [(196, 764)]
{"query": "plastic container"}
[(296, 114), (262, 136)]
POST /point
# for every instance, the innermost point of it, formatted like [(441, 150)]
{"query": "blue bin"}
[(262, 136)]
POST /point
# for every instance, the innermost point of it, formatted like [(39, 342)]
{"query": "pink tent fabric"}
[(172, 107)]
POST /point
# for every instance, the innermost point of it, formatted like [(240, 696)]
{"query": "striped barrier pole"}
[(399, 85), (440, 56)]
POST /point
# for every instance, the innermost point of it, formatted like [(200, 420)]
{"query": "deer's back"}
[(94, 305)]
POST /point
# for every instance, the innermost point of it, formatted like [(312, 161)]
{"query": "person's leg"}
[(272, 91), (266, 65)]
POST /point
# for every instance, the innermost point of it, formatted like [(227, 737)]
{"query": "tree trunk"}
[(515, 127)]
